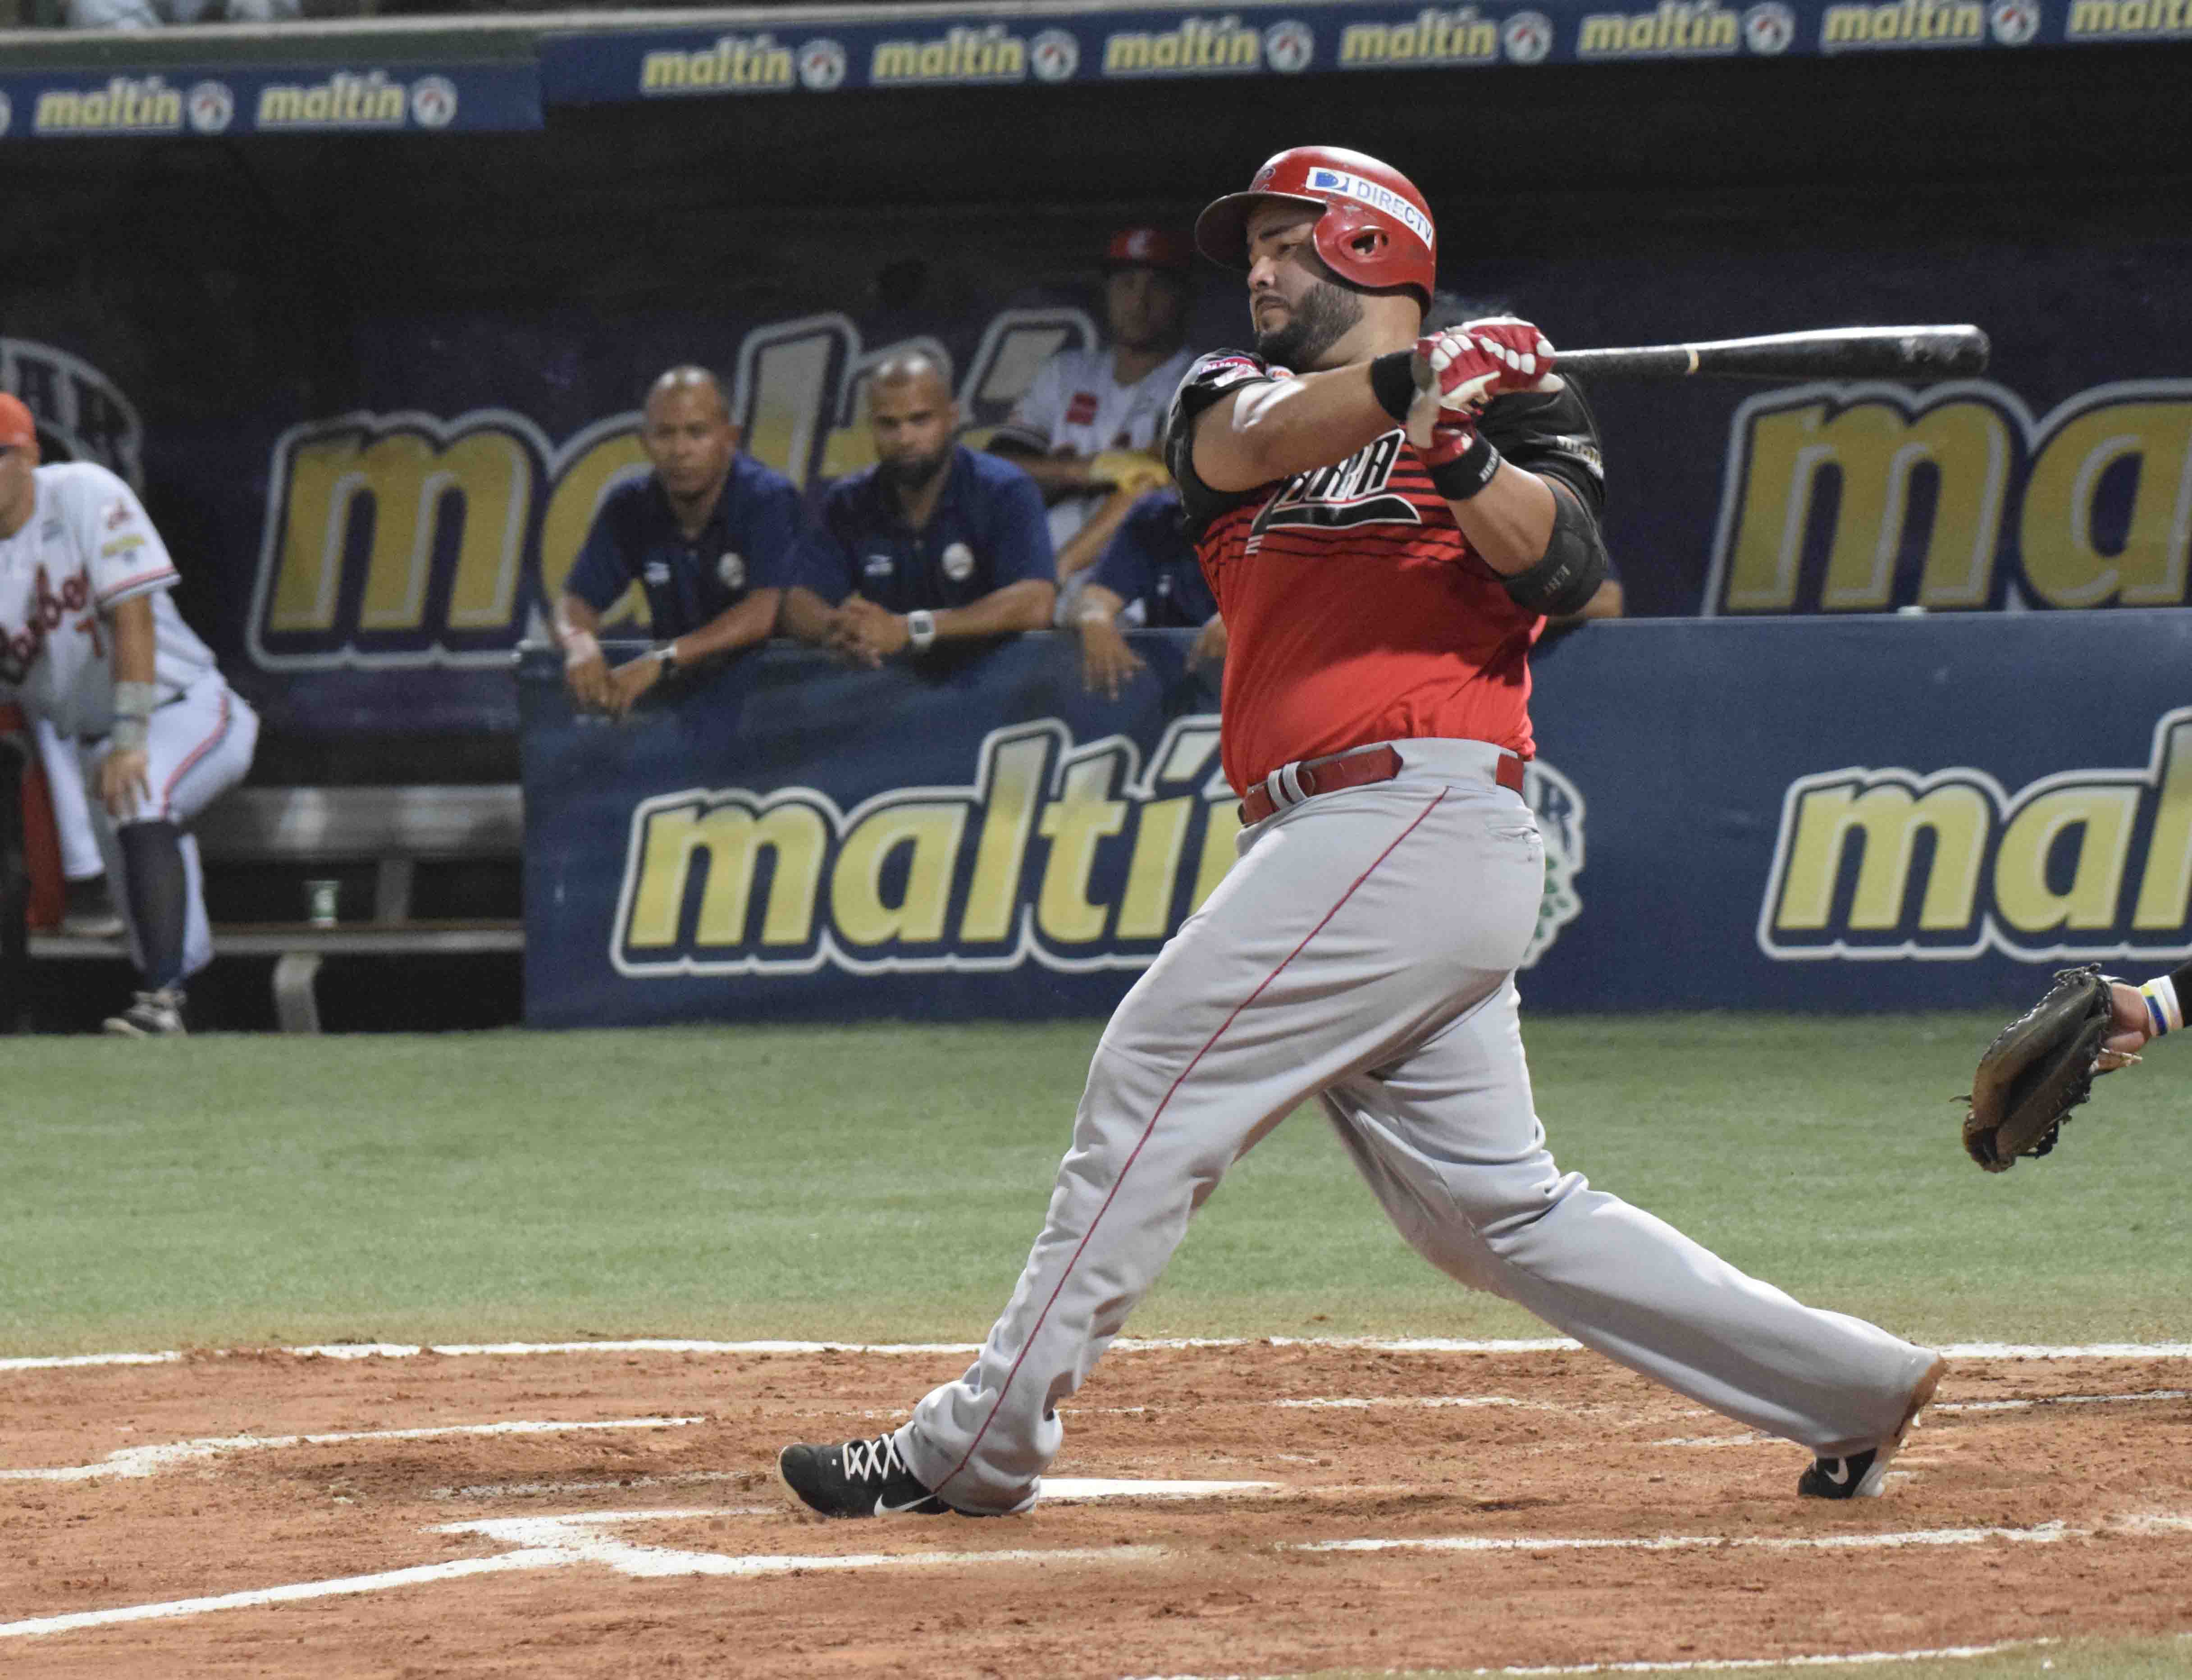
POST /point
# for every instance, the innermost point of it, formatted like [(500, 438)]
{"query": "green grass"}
[(884, 1183)]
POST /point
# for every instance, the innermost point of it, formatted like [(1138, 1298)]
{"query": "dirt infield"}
[(1503, 1508)]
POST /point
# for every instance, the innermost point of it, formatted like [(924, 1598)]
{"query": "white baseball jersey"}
[(1077, 407), (86, 547)]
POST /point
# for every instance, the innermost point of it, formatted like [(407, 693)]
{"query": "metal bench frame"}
[(395, 828)]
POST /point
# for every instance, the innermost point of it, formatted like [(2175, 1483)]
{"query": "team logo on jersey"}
[(877, 566), (731, 569), (44, 611), (1082, 410), (657, 572), (1559, 805), (958, 562), (1351, 492)]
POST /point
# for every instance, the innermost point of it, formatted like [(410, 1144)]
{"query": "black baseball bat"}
[(1831, 352)]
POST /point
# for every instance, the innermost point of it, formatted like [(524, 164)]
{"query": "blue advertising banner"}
[(793, 839), (230, 98), (741, 51), (1007, 46), (1878, 813)]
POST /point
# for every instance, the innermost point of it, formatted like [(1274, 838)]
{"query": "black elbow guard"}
[(1573, 567)]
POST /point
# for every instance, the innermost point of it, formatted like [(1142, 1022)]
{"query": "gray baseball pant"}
[(1363, 951)]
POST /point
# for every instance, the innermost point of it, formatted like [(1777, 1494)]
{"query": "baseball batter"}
[(1382, 596), (91, 643)]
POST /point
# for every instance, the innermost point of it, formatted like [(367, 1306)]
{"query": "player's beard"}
[(1326, 313), (911, 473)]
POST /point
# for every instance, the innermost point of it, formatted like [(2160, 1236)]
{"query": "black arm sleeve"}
[(1208, 379), (1554, 434)]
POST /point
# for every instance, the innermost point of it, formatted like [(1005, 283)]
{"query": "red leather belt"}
[(1351, 769)]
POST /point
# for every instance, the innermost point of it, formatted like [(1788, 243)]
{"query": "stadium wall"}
[(1885, 812)]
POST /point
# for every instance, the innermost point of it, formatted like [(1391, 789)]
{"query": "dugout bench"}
[(392, 831)]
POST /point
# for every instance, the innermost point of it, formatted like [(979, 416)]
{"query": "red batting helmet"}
[(1158, 248), (1375, 230)]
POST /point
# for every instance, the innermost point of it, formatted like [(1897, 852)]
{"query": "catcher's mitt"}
[(2038, 1069)]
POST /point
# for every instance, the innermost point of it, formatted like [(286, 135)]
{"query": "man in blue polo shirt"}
[(710, 535), (933, 544), (1148, 578)]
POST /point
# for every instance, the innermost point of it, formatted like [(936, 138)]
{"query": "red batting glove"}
[(1459, 371), (1451, 439)]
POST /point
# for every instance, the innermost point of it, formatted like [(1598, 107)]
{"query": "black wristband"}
[(1468, 473), (1393, 382)]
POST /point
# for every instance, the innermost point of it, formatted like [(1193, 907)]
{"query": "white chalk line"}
[(150, 1460), (521, 1490), (578, 1538), (147, 1460), (2059, 1400), (1985, 1350), (560, 1541)]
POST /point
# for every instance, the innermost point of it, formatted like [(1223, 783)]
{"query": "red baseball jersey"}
[(1355, 610)]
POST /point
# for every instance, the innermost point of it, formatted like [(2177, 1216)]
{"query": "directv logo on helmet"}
[(1378, 197)]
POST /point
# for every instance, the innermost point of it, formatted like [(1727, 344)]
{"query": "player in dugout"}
[(710, 535), (935, 543), (91, 643), (1087, 428)]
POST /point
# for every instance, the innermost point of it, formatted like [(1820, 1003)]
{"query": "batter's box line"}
[(578, 1539), (1987, 1350)]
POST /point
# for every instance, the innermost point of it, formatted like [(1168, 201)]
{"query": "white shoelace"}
[(875, 1461)]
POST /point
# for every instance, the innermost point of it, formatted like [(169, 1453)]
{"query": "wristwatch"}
[(920, 629)]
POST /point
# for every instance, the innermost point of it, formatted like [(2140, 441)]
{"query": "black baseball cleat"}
[(1864, 1475), (857, 1479)]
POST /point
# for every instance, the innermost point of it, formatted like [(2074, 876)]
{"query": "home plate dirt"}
[(1251, 1508)]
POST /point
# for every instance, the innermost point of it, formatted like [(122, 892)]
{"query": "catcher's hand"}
[(2040, 1067)]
